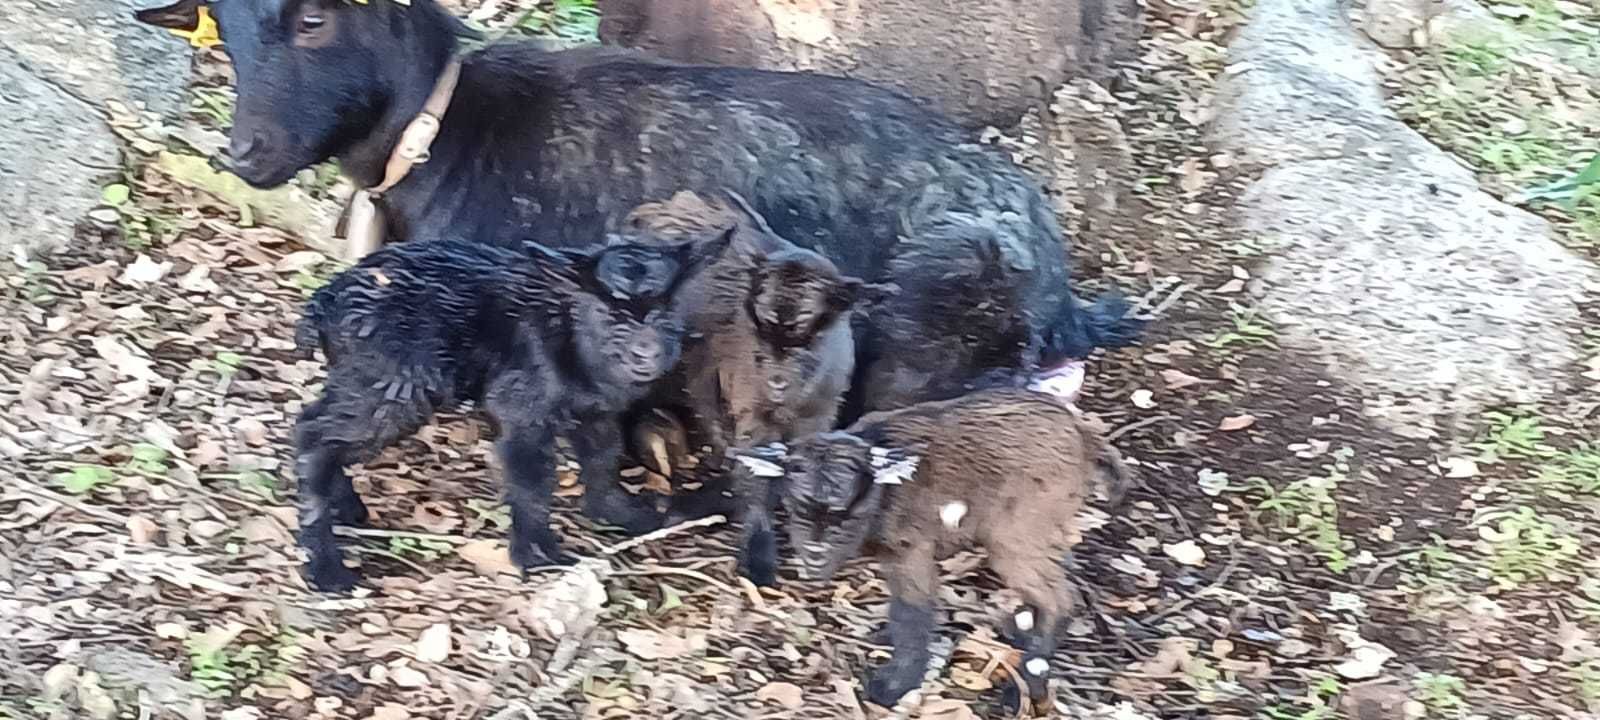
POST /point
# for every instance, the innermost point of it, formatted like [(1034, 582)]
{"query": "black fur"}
[(572, 140), (548, 342)]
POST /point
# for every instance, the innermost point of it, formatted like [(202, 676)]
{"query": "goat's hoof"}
[(1038, 696), (331, 576), (532, 555), (885, 689), (761, 574), (633, 519), (351, 514)]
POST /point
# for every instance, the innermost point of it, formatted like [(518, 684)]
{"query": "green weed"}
[(1512, 437), (1443, 694), (1308, 510), (1248, 329), (575, 20), (223, 670), (426, 550), (1520, 546), (83, 479)]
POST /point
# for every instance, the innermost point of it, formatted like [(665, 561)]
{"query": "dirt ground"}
[(1283, 557)]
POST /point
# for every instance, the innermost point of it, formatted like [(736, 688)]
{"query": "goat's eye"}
[(311, 22)]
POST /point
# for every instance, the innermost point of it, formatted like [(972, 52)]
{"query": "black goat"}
[(548, 341), (573, 140)]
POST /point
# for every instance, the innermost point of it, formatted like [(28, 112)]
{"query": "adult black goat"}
[(561, 145)]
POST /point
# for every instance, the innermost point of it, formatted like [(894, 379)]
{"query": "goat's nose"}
[(645, 352), (242, 146)]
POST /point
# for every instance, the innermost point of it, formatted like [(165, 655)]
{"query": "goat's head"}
[(834, 491), (795, 295), (620, 301), (315, 77)]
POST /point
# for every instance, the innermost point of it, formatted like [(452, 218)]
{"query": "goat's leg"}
[(758, 537), (1043, 584), (319, 467), (346, 505), (528, 461), (598, 444), (912, 578)]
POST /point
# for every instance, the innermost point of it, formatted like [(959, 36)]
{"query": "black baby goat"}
[(548, 341)]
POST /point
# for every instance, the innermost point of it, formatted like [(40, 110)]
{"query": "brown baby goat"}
[(1004, 469), (771, 350)]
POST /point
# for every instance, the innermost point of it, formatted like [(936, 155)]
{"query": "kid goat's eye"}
[(311, 22)]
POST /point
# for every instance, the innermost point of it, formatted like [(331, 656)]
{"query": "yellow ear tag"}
[(204, 34)]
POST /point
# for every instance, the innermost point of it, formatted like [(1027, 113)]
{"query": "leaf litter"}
[(1209, 593)]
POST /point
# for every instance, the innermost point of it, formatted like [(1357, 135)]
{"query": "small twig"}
[(685, 572), (376, 533), (1135, 425), (1222, 577), (663, 532), (40, 491)]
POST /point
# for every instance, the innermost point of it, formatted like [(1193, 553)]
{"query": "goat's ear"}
[(749, 212), (183, 15), (763, 461), (710, 250), (893, 466), (563, 265)]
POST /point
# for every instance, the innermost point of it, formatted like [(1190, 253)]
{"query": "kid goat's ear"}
[(182, 15), (762, 461), (893, 466)]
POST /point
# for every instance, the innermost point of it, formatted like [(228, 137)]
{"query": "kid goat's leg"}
[(347, 507), (1043, 584), (598, 444), (319, 465), (912, 578), (527, 459)]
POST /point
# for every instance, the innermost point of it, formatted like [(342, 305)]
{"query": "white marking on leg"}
[(1037, 666), (1025, 620), (951, 514)]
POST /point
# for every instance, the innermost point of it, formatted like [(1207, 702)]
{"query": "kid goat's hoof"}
[(331, 576), (885, 689)]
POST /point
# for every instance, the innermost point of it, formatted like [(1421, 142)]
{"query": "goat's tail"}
[(1077, 329)]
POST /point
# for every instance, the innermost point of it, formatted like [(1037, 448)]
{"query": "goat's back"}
[(1020, 463)]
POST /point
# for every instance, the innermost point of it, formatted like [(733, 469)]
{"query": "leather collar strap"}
[(364, 229), (412, 149)]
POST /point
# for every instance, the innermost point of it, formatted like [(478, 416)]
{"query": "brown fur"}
[(1021, 463), (775, 352)]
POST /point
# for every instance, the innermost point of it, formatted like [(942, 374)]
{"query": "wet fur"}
[(547, 342)]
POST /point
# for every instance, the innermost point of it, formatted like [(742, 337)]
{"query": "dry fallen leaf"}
[(788, 695), (946, 709), (390, 711), (488, 557), (144, 271), (1179, 379), (654, 645), (1237, 422), (1186, 552), (434, 643), (142, 529), (407, 677)]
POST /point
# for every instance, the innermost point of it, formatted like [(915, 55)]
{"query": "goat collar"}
[(364, 232), (418, 135)]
